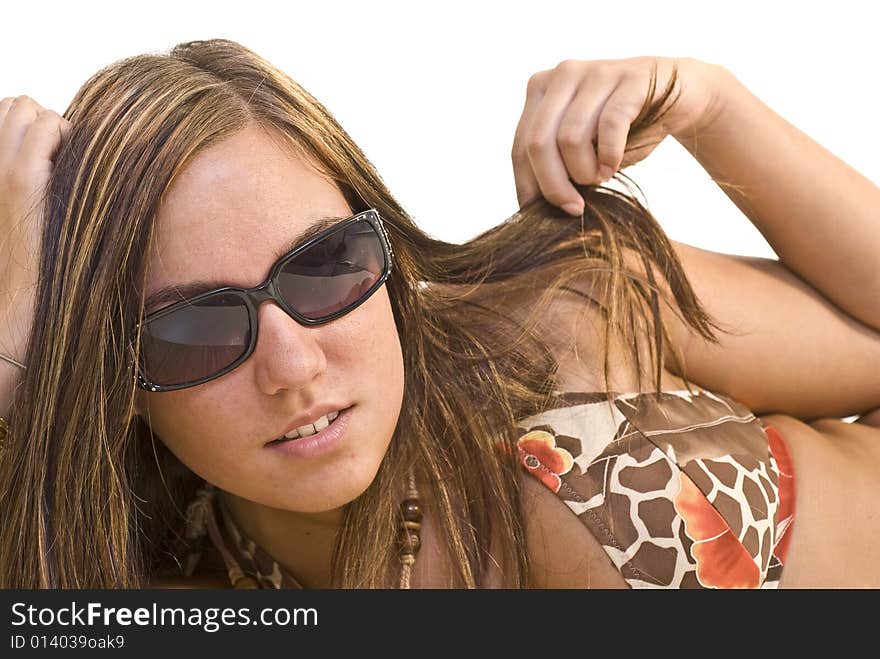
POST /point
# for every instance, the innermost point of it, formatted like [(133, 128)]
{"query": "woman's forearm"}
[(819, 214), (14, 330)]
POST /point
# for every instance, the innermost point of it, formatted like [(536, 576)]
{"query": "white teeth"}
[(306, 430), (311, 429)]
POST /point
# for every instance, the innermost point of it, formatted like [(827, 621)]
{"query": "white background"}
[(433, 91)]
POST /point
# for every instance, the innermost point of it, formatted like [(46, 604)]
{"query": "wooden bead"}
[(412, 510), (409, 543)]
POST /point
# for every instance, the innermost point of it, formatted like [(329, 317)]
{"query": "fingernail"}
[(573, 208), (605, 172)]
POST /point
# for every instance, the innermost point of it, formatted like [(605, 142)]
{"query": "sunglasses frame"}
[(268, 290)]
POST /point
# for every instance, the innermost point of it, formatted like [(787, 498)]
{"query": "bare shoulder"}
[(562, 551), (837, 475), (574, 325)]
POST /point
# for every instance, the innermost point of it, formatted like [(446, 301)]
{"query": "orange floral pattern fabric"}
[(540, 455), (721, 559)]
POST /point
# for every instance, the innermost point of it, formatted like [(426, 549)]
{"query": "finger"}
[(615, 119), (21, 113), (40, 143), (523, 177), (578, 128), (543, 151)]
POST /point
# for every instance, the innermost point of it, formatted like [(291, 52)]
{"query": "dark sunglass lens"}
[(195, 341), (334, 273)]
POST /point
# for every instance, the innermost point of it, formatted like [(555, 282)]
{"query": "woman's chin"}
[(333, 493)]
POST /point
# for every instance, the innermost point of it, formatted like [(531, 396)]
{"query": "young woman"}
[(516, 411)]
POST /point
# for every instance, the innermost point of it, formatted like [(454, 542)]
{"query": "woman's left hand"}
[(577, 118)]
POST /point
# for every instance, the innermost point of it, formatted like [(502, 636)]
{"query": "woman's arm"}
[(13, 336), (793, 351), (8, 380), (790, 350), (819, 214), (805, 354)]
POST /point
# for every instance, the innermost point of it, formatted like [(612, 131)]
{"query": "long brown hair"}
[(89, 499)]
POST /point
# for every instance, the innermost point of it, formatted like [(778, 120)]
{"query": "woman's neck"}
[(301, 543)]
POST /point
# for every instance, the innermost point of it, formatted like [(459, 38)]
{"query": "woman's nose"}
[(288, 355)]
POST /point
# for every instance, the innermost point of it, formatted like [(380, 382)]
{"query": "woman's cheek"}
[(191, 437)]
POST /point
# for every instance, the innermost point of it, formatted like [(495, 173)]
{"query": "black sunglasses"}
[(197, 340)]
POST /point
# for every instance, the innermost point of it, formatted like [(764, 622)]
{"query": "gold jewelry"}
[(12, 361)]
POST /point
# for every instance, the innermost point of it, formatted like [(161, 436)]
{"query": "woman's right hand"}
[(576, 122), (29, 138)]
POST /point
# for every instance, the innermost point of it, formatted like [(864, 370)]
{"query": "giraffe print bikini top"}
[(688, 491), (691, 491)]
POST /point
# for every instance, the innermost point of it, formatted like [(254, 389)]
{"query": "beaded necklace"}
[(261, 570)]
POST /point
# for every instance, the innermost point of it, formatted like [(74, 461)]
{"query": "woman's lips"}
[(321, 443)]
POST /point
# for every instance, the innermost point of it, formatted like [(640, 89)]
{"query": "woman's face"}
[(224, 218)]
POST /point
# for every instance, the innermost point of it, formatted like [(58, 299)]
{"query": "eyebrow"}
[(178, 292)]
